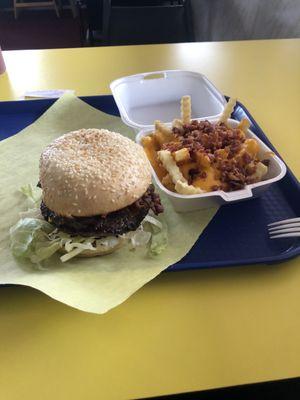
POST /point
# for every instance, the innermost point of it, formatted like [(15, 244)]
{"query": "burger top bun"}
[(92, 171)]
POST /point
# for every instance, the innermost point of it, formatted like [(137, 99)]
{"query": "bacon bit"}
[(246, 158), (193, 172)]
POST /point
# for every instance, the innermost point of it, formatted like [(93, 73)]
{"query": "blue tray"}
[(237, 235)]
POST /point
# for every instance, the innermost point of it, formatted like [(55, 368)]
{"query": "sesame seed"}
[(96, 159)]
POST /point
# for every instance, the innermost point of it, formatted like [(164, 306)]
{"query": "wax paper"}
[(94, 284)]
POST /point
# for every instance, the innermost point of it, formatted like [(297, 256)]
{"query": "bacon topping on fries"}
[(193, 157)]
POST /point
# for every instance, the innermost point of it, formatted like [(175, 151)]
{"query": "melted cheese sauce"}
[(186, 167), (150, 148), (252, 147), (210, 180)]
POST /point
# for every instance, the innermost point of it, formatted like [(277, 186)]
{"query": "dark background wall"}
[(216, 20), (5, 4)]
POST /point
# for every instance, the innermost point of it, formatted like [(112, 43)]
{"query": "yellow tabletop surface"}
[(183, 331)]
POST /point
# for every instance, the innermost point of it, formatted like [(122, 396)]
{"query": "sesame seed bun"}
[(92, 171)]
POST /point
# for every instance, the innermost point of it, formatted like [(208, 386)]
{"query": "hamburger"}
[(96, 185)]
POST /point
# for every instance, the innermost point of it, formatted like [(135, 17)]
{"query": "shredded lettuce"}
[(151, 232), (159, 235), (44, 251), (153, 221), (159, 242), (31, 213), (33, 194), (109, 241), (140, 238), (29, 239), (35, 239), (73, 249)]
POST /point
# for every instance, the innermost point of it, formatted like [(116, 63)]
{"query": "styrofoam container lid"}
[(146, 97)]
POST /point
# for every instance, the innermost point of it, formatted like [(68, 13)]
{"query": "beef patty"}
[(115, 223)]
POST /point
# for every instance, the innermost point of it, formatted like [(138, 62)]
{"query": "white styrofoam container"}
[(181, 203), (143, 98)]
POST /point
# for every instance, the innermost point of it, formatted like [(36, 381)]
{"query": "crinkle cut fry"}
[(181, 184), (244, 125), (170, 165), (161, 127), (184, 188), (186, 109), (227, 110), (177, 123)]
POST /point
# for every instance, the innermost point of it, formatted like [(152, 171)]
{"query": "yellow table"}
[(183, 331)]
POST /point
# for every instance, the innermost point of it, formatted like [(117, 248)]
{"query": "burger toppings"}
[(151, 200), (114, 223), (34, 238)]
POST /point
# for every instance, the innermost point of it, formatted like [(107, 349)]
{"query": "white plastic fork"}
[(285, 228)]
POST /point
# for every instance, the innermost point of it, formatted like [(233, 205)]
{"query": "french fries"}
[(168, 183), (227, 110), (202, 159), (177, 123), (186, 109), (222, 153), (182, 155), (202, 156), (244, 125), (184, 188), (146, 141), (251, 146), (163, 128), (260, 172), (181, 184), (170, 165), (163, 134)]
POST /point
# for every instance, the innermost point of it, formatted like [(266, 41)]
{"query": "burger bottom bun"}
[(99, 251)]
